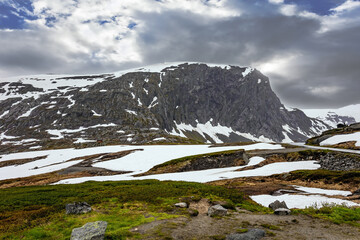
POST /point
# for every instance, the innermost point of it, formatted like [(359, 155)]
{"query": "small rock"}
[(217, 210), (277, 204), (90, 231), (193, 212), (252, 234), (77, 208), (181, 205), (282, 211)]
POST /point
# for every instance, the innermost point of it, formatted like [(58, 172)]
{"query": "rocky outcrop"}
[(201, 162), (277, 204), (90, 231)]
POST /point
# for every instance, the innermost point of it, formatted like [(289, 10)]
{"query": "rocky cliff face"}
[(195, 101)]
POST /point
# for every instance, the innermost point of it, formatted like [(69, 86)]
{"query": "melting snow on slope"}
[(138, 161), (300, 201), (213, 131), (342, 138), (311, 190), (247, 71)]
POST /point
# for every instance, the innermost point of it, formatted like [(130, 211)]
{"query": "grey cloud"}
[(259, 35), (328, 60)]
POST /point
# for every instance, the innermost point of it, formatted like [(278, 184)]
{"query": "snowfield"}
[(301, 201), (342, 138), (148, 156), (139, 161)]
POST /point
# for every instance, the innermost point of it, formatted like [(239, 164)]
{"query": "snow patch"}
[(342, 138)]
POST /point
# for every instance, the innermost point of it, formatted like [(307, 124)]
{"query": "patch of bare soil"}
[(276, 227), (82, 169), (20, 161), (346, 145)]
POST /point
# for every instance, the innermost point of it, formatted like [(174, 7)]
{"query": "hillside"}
[(188, 103), (347, 137)]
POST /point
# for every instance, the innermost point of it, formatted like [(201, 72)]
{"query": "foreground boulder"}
[(217, 210), (277, 204), (77, 208), (90, 231), (252, 234)]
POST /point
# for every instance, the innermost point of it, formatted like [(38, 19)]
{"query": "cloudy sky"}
[(310, 49)]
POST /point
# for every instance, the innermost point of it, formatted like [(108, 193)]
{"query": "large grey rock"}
[(282, 211), (217, 210), (277, 204), (90, 231), (252, 234), (77, 208)]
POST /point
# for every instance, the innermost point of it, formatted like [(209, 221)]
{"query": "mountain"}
[(347, 115), (160, 103)]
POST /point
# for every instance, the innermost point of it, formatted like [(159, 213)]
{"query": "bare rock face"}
[(235, 103), (90, 231)]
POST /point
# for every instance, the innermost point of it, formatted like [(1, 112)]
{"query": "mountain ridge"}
[(193, 100)]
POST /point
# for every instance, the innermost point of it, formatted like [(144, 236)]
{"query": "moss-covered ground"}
[(38, 212)]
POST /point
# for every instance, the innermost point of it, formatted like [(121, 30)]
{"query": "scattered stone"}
[(193, 212), (282, 211), (277, 204), (181, 205), (90, 231), (217, 210), (77, 208), (252, 234)]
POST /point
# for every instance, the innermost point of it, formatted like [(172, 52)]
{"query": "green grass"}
[(271, 227), (327, 176), (38, 212), (335, 213)]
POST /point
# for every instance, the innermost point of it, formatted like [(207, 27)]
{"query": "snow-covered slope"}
[(348, 114)]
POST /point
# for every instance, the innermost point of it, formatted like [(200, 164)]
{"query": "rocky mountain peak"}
[(202, 102)]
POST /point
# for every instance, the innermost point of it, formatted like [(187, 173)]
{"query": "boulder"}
[(90, 231), (277, 204), (181, 205), (77, 208), (282, 211), (252, 234), (217, 210)]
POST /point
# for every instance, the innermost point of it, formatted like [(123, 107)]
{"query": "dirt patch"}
[(277, 227), (346, 145), (53, 177), (20, 161)]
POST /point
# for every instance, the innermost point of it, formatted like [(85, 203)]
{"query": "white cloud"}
[(346, 6), (276, 1)]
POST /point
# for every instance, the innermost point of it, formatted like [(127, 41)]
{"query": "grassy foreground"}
[(38, 212)]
